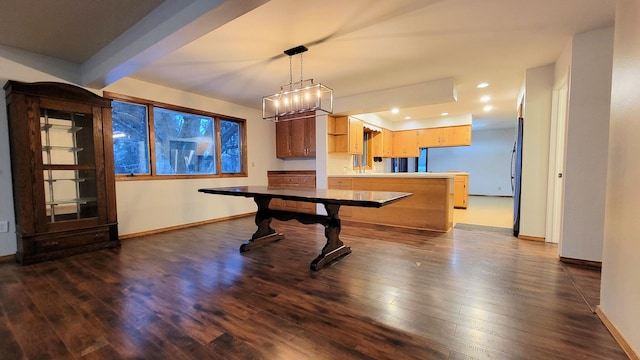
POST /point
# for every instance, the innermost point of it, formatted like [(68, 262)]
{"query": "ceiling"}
[(233, 49)]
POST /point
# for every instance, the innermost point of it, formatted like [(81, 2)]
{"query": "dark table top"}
[(324, 196)]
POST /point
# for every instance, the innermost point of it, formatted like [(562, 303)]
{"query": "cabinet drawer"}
[(276, 204), (69, 240), (283, 181), (340, 183), (307, 207), (307, 182)]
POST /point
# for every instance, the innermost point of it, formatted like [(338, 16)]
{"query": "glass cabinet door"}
[(69, 165)]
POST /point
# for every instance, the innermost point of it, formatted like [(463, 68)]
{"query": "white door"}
[(555, 195)]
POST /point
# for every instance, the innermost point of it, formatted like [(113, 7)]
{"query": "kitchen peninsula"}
[(430, 207)]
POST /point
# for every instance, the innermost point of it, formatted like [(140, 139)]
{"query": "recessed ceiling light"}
[(407, 117), (395, 110), (487, 108), (482, 85), (485, 98), (444, 113)]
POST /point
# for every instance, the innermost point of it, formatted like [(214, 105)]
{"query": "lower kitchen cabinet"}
[(461, 191), (296, 179)]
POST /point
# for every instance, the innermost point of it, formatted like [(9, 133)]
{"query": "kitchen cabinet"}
[(405, 144), (297, 179), (296, 138), (429, 208), (387, 143), (345, 135), (356, 136), (382, 143), (461, 191), (62, 166), (377, 144), (445, 136)]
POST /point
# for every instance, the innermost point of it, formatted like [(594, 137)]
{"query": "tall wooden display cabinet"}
[(62, 167)]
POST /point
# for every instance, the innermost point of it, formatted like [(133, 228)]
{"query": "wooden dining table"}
[(331, 199)]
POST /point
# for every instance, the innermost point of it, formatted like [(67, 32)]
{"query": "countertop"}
[(403, 175)]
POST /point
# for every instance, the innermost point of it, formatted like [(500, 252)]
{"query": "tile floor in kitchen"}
[(496, 211)]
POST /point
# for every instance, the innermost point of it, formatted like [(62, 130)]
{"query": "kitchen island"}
[(430, 207)]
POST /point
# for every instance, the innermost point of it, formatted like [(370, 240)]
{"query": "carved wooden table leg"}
[(334, 248), (265, 234)]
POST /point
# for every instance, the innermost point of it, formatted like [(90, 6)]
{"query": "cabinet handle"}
[(50, 244)]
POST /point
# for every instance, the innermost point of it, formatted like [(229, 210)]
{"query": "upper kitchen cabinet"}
[(345, 135), (62, 167), (387, 143), (377, 144), (296, 138), (405, 144), (356, 136), (445, 136)]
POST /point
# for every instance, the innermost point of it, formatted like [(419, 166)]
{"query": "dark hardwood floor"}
[(189, 294)]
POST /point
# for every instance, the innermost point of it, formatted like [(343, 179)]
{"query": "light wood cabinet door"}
[(356, 134), (405, 144), (445, 136), (387, 143), (458, 136), (377, 144), (432, 137), (461, 191)]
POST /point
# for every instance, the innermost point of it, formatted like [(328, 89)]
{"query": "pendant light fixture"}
[(297, 100)]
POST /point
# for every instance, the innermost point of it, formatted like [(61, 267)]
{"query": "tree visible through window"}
[(130, 138), (185, 142), (231, 150)]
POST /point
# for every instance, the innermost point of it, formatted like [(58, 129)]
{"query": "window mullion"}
[(216, 124), (152, 140)]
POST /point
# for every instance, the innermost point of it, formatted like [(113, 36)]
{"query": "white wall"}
[(157, 204), (487, 160), (620, 288), (587, 140), (535, 150)]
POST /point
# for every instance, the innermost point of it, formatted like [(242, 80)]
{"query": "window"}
[(366, 159), (130, 138), (423, 160), (154, 140)]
